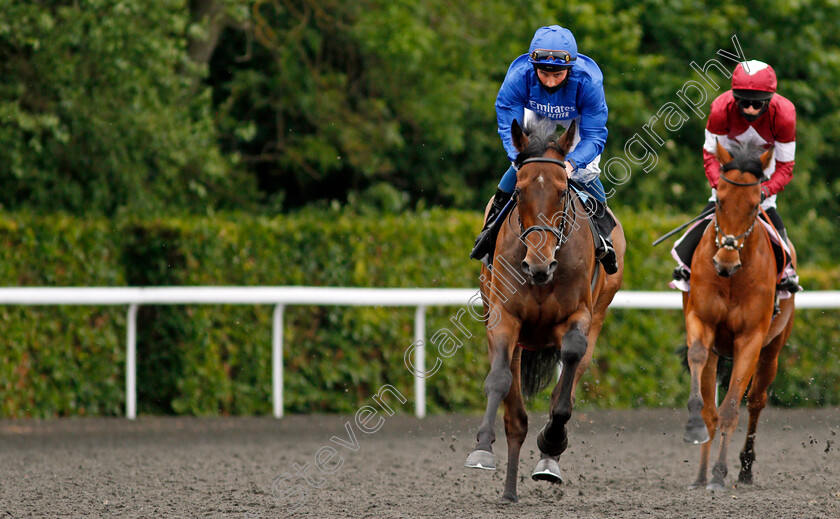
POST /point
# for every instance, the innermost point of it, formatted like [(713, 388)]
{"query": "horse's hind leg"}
[(553, 439), (516, 427), (768, 362), (502, 340)]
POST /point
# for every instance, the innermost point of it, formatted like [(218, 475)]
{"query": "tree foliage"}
[(275, 104), (101, 112)]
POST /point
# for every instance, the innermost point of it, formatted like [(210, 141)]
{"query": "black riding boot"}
[(789, 282), (604, 251), (603, 226), (687, 244), (485, 244)]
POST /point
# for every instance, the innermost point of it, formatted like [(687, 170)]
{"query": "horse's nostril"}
[(525, 267), (552, 266)]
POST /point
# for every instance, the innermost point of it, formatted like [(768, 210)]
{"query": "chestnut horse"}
[(729, 311), (548, 308)]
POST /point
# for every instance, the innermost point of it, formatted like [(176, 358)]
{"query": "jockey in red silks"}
[(751, 113)]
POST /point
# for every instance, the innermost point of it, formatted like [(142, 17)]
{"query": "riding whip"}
[(683, 226)]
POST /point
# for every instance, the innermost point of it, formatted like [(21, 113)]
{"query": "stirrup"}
[(485, 243), (789, 284), (681, 274)]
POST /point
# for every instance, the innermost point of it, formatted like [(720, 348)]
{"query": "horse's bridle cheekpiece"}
[(728, 241), (556, 231)]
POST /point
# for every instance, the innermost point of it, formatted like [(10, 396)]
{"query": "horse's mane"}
[(745, 157), (541, 137)]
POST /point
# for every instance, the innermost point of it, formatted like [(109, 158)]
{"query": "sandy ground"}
[(619, 464)]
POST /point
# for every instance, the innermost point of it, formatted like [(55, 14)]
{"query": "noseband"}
[(558, 232), (728, 241)]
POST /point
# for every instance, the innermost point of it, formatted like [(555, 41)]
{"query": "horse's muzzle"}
[(725, 269), (539, 275)]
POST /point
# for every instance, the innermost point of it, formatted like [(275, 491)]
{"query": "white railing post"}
[(277, 361), (131, 363), (420, 361)]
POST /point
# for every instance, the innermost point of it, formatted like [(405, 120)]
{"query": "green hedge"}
[(60, 360), (207, 360)]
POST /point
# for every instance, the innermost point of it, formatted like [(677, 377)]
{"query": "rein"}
[(558, 232), (728, 241)]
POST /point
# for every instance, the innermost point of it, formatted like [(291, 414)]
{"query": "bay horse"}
[(548, 310), (729, 312)]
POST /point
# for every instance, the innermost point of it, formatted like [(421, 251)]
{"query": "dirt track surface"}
[(619, 464)]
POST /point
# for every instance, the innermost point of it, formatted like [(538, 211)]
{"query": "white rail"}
[(420, 298)]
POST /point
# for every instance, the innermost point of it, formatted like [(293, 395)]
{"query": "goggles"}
[(558, 57), (749, 103)]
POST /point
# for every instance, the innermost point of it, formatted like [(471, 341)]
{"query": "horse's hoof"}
[(548, 470), (479, 459), (745, 478), (697, 485), (696, 435), (715, 486), (508, 499)]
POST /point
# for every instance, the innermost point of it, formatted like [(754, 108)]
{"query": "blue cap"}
[(556, 38)]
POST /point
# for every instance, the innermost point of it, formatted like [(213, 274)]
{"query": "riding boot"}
[(604, 251), (790, 280), (485, 243), (687, 244)]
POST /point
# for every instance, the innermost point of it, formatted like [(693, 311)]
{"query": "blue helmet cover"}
[(553, 37)]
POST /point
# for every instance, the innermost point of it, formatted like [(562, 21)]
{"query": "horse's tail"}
[(724, 365), (537, 369)]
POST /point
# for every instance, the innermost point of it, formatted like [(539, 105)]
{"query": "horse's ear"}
[(520, 140), (722, 155), (765, 158), (568, 138)]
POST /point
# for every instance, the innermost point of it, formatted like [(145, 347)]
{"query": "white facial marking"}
[(541, 180)]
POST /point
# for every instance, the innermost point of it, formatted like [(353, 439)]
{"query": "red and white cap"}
[(754, 80)]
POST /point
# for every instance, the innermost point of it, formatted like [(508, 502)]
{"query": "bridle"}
[(558, 232), (728, 241)]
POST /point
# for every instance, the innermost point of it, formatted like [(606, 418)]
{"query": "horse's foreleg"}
[(516, 427), (757, 399), (747, 350), (553, 440), (699, 337), (502, 341), (708, 382)]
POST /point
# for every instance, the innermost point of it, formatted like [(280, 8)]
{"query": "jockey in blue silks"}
[(553, 81)]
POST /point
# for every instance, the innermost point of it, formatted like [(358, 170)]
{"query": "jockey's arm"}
[(712, 167), (717, 128), (592, 107), (710, 161), (510, 106), (784, 152), (780, 178)]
